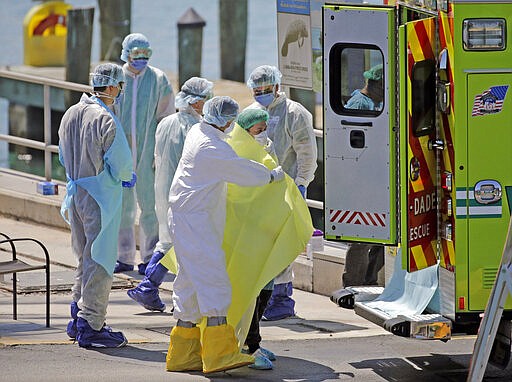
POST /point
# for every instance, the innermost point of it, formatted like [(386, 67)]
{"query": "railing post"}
[(47, 124)]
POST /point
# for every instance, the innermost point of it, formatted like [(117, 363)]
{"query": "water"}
[(157, 20)]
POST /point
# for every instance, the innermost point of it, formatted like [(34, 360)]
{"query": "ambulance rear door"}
[(359, 143), (417, 49)]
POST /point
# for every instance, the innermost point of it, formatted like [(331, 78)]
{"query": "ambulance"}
[(422, 161)]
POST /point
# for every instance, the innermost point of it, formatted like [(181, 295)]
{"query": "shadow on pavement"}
[(433, 368), (301, 325), (132, 352), (285, 368)]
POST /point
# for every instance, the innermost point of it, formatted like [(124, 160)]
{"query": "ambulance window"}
[(423, 97), (356, 79)]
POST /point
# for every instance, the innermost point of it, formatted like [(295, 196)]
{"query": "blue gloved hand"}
[(302, 190), (131, 183)]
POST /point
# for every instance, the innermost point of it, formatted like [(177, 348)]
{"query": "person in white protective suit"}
[(147, 99), (290, 127), (197, 216), (96, 156), (170, 137)]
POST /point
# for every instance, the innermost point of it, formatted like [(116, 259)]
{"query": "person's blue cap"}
[(264, 75), (220, 110), (107, 74), (193, 90), (134, 41)]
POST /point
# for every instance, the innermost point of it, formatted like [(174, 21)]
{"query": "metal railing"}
[(46, 145)]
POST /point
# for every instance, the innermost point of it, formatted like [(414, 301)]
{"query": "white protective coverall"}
[(96, 156), (170, 138), (147, 99), (198, 204), (290, 127)]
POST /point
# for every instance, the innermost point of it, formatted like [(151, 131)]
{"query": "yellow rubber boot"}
[(220, 350), (184, 352)]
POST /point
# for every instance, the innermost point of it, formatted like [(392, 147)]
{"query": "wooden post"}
[(115, 25), (306, 98), (190, 45), (78, 49), (233, 37)]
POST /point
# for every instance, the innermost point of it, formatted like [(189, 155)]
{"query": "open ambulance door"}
[(418, 140), (360, 155)]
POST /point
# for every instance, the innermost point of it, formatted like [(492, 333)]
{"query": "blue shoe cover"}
[(260, 361), (281, 304), (141, 268), (71, 329), (105, 338), (155, 259), (267, 353), (146, 297), (122, 267)]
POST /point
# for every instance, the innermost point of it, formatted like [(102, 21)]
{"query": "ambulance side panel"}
[(482, 145)]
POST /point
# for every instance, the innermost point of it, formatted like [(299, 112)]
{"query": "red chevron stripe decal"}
[(357, 217)]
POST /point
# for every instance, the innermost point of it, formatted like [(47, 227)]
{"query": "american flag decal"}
[(490, 101), (358, 217)]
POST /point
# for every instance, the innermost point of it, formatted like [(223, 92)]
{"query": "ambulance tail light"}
[(446, 181), (449, 211), (446, 232), (462, 303), (484, 34)]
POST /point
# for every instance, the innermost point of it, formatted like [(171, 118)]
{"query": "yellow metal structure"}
[(44, 34)]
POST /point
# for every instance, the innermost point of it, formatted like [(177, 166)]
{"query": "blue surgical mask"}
[(265, 99), (118, 98), (139, 64)]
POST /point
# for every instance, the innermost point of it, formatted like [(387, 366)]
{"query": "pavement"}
[(316, 316), (25, 213)]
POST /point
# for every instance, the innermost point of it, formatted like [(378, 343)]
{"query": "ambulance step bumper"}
[(347, 297), (419, 326)]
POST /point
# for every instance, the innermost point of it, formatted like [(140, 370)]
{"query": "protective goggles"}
[(262, 90), (137, 53)]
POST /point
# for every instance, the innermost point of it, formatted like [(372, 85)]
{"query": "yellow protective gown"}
[(266, 229)]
